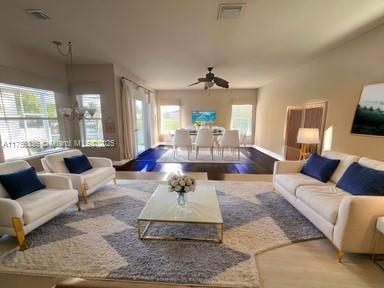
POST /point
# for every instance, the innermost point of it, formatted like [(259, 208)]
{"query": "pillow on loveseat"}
[(21, 183), (319, 167), (360, 180), (77, 164)]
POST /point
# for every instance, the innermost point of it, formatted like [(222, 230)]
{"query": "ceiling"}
[(169, 43)]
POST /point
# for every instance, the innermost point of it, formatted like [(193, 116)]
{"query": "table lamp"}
[(306, 137)]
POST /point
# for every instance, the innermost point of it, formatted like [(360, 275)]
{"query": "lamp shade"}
[(308, 136)]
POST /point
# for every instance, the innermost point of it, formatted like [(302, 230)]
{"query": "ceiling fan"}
[(210, 80)]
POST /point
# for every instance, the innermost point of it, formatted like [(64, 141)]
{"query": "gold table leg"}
[(142, 233), (84, 193), (339, 256), (18, 226)]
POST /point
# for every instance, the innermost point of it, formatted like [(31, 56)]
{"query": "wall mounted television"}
[(204, 116)]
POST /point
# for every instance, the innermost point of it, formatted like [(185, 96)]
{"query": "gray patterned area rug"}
[(101, 240)]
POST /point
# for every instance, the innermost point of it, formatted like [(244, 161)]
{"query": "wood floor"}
[(312, 264), (258, 163)]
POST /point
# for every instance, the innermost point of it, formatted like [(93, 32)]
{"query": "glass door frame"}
[(145, 126)]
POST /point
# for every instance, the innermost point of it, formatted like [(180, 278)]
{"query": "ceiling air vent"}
[(38, 13), (230, 11)]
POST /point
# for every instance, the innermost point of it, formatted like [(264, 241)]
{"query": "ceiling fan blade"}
[(193, 83), (221, 82), (200, 80)]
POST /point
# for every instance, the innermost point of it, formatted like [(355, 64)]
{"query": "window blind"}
[(28, 121)]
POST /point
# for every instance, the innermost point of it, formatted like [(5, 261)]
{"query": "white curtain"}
[(128, 119), (141, 94), (150, 111), (152, 119)]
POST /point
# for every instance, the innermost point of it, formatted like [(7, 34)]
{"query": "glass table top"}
[(202, 206)]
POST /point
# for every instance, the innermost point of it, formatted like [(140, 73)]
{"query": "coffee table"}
[(202, 208)]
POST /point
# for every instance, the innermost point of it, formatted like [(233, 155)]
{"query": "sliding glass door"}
[(142, 130)]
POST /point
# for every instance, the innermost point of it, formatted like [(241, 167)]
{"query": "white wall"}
[(27, 67), (219, 100), (337, 76)]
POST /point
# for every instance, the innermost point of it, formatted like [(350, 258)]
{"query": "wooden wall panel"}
[(310, 115), (294, 122)]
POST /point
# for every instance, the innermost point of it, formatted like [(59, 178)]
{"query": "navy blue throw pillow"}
[(360, 180), (77, 164), (21, 183), (319, 167)]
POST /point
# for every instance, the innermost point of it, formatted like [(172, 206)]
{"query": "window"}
[(91, 129), (169, 118), (242, 119), (28, 121)]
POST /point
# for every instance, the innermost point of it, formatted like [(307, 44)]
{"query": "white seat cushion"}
[(290, 181), (41, 202), (345, 161), (325, 200), (94, 176)]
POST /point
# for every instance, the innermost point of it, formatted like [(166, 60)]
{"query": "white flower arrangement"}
[(181, 183)]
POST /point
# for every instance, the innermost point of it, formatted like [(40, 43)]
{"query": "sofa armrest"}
[(46, 168), (100, 162), (76, 179), (56, 181), (356, 223), (282, 167), (9, 208)]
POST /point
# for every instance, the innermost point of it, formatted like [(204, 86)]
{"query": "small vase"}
[(181, 199)]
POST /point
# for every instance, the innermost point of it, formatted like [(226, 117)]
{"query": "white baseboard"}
[(269, 153)]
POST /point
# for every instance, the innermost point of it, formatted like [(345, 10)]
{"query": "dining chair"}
[(243, 140), (217, 133), (230, 140), (182, 139), (204, 139), (192, 133)]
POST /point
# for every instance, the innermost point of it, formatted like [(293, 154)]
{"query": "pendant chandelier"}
[(74, 112)]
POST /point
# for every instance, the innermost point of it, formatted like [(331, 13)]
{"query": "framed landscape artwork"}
[(369, 116)]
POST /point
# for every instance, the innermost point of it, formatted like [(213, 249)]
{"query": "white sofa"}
[(87, 182), (348, 221), (21, 216)]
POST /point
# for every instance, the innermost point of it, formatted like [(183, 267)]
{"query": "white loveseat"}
[(87, 182), (21, 216), (348, 221)]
